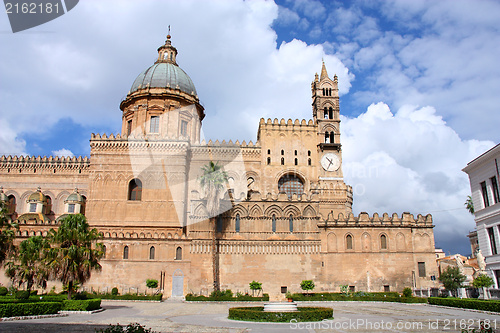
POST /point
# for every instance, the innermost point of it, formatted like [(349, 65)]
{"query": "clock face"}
[(330, 162)]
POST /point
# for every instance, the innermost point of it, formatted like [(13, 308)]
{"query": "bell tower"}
[(335, 195)]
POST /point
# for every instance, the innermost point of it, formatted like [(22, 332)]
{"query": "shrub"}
[(307, 285), (151, 283), (3, 291), (127, 297), (257, 314), (22, 294), (29, 309), (82, 305), (225, 298), (114, 291), (467, 303), (131, 328), (373, 297), (228, 293), (407, 292)]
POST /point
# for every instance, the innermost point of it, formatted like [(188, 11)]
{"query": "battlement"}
[(51, 162), (284, 122), (363, 219)]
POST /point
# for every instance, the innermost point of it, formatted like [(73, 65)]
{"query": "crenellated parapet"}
[(284, 122), (117, 142), (33, 163), (365, 220)]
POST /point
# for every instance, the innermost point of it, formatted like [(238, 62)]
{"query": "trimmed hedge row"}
[(373, 297), (257, 314), (244, 298), (29, 309), (467, 303), (127, 297), (84, 305)]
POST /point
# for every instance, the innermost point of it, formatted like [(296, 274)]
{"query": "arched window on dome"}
[(282, 161), (296, 161), (291, 184), (135, 190), (268, 160)]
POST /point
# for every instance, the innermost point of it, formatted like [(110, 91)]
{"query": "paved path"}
[(172, 316)]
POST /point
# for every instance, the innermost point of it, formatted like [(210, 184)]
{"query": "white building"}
[(484, 177)]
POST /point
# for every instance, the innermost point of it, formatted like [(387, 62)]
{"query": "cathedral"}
[(285, 212)]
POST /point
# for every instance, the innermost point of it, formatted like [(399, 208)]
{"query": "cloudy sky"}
[(419, 84)]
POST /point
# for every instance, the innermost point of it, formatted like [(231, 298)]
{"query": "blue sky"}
[(418, 80)]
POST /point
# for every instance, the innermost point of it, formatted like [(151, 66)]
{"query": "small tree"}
[(28, 263), (254, 285), (307, 285), (482, 280), (407, 292), (150, 283), (452, 279)]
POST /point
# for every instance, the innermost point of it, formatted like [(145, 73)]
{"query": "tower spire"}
[(324, 74)]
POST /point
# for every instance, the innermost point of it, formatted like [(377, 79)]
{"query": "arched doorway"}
[(178, 283)]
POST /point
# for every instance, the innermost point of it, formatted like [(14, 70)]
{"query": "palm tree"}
[(7, 233), (76, 253), (213, 180), (28, 264), (469, 204)]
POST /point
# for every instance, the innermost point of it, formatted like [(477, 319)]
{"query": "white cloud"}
[(10, 143), (410, 161), (63, 153)]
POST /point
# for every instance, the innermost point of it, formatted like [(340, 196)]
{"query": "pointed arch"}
[(331, 242), (349, 242), (291, 210), (274, 209), (366, 240), (256, 211), (383, 242), (309, 211)]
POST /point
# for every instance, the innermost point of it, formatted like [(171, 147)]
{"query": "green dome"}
[(75, 197), (164, 75)]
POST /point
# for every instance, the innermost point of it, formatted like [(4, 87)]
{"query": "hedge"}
[(365, 297), (29, 309), (127, 297), (257, 314), (82, 305), (467, 303), (244, 298)]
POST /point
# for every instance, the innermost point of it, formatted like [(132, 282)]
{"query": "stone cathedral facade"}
[(286, 213)]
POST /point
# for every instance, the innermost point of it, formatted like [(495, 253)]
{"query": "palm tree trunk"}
[(215, 264), (70, 289)]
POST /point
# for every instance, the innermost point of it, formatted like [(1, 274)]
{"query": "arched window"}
[(290, 223), (325, 114), (296, 161), (329, 91), (125, 252), (11, 205), (323, 91), (295, 153), (332, 137), (327, 137), (282, 152), (152, 252), (274, 223), (219, 223), (348, 242), (308, 161), (308, 153), (237, 223), (178, 253), (48, 207), (282, 161), (268, 160), (135, 190), (268, 151), (330, 113), (291, 184), (383, 242)]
